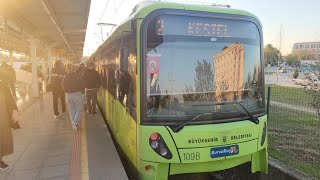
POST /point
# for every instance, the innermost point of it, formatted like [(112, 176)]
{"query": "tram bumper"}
[(205, 160), (161, 171)]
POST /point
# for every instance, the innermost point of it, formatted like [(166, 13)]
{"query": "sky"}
[(296, 20)]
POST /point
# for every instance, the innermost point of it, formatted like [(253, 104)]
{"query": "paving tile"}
[(34, 154), (59, 178), (57, 151), (67, 140), (38, 146), (58, 160), (29, 164), (24, 175), (19, 147), (63, 137), (63, 144), (22, 139), (54, 171), (12, 158), (3, 175)]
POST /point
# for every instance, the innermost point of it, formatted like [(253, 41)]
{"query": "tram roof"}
[(144, 8)]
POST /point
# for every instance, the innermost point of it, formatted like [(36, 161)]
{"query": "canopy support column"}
[(33, 53), (50, 64)]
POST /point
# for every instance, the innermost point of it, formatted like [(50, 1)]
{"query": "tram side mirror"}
[(124, 58)]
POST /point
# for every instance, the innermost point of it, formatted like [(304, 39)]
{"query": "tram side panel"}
[(118, 115)]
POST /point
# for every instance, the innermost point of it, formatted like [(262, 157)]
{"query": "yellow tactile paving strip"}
[(75, 157), (84, 150)]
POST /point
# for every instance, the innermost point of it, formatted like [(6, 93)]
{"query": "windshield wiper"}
[(252, 118), (178, 128)]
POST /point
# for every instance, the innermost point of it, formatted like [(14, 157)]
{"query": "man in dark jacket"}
[(91, 79), (56, 77)]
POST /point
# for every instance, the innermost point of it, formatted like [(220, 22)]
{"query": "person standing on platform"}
[(11, 76), (73, 86), (91, 79), (8, 117), (56, 76), (80, 71), (81, 68)]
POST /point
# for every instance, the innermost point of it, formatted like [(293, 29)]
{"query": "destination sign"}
[(210, 27), (207, 29), (192, 28)]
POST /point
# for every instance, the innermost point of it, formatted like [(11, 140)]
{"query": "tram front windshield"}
[(195, 65)]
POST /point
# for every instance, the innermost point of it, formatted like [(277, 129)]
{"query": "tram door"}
[(122, 114)]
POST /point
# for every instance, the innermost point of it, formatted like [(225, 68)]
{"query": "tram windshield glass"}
[(193, 65)]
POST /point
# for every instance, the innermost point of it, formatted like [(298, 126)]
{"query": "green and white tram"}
[(183, 89)]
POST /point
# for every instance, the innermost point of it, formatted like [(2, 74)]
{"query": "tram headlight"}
[(163, 151), (157, 143), (154, 144)]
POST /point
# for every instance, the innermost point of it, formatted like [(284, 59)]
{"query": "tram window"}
[(104, 76), (100, 70), (133, 74), (127, 84), (111, 68), (124, 81)]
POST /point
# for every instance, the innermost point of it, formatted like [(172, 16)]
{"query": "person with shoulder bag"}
[(8, 120)]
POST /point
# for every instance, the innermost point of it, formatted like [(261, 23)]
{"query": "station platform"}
[(48, 148)]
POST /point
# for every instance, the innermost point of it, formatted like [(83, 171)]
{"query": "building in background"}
[(310, 50), (228, 73)]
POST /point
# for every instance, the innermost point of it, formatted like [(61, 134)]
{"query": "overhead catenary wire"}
[(104, 10), (118, 9)]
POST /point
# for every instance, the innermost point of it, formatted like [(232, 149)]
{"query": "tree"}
[(224, 87), (293, 60), (305, 54), (204, 77), (257, 83), (271, 55), (312, 85), (203, 83)]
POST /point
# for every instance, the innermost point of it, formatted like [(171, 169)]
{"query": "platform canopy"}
[(58, 25)]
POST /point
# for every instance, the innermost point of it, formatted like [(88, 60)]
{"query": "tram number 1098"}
[(191, 156)]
